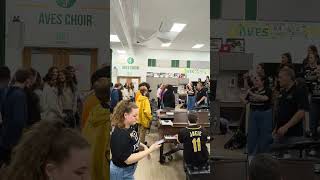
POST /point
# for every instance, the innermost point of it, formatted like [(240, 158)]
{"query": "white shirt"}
[(159, 93)]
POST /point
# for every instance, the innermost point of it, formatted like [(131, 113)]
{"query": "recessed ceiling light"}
[(114, 38), (198, 46), (121, 51), (165, 44), (177, 27)]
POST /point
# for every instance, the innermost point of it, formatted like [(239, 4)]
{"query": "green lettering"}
[(73, 19), (67, 19), (242, 31), (250, 31), (53, 18), (47, 17), (41, 18), (258, 31), (265, 32), (80, 20), (59, 19), (89, 20)]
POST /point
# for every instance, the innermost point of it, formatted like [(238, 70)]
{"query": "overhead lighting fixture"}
[(121, 51), (165, 44), (114, 38), (177, 27), (198, 46)]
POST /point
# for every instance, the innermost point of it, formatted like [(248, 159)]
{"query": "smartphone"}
[(160, 141)]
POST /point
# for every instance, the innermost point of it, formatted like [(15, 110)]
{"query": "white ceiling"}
[(195, 13)]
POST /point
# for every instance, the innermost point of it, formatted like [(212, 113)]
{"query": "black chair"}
[(297, 169), (220, 168), (197, 172)]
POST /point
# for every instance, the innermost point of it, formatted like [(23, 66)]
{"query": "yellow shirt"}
[(145, 115), (90, 102), (138, 93), (97, 133)]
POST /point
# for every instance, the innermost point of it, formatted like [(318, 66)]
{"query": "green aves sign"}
[(130, 60), (65, 3)]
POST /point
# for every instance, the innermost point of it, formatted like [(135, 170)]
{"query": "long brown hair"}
[(46, 142), (68, 81), (124, 106), (71, 70)]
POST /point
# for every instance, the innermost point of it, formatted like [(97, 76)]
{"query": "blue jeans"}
[(314, 116), (122, 173), (191, 102), (259, 132)]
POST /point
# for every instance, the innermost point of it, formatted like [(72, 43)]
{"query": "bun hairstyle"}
[(46, 142)]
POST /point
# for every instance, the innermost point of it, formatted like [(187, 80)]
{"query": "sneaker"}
[(250, 159)]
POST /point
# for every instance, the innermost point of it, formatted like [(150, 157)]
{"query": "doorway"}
[(84, 60), (128, 79)]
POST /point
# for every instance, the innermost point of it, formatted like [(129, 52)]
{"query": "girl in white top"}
[(67, 94), (128, 91), (51, 106)]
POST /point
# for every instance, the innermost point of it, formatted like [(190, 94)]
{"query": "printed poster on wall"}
[(266, 30)]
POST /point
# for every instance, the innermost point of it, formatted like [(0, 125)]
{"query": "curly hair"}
[(47, 141), (124, 106)]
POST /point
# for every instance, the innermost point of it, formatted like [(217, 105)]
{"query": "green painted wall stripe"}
[(3, 32), (251, 9), (215, 9)]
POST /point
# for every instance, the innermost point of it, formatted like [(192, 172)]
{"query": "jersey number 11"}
[(196, 144)]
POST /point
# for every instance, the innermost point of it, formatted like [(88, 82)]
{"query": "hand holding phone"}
[(160, 141)]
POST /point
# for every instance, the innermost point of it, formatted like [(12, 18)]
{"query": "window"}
[(188, 64), (175, 63), (151, 62)]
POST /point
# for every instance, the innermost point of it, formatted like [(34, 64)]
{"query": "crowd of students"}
[(278, 110), (40, 121), (26, 99), (198, 96), (40, 129)]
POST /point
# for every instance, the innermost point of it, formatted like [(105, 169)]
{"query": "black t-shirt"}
[(169, 99), (34, 112), (194, 140), (201, 94), (190, 91), (315, 90), (124, 142), (289, 102), (260, 105), (309, 74)]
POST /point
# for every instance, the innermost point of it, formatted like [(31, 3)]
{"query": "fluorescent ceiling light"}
[(177, 27), (198, 46), (165, 44), (114, 38), (121, 51)]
